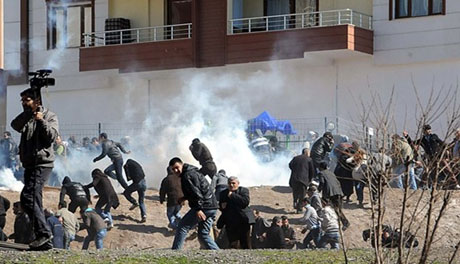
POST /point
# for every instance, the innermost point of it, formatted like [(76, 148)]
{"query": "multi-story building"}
[(295, 58)]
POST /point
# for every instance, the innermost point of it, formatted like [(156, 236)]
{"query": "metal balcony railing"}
[(300, 20), (138, 35)]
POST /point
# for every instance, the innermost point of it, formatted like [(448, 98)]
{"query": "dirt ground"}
[(129, 233)]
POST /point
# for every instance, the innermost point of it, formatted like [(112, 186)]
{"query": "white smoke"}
[(8, 181)]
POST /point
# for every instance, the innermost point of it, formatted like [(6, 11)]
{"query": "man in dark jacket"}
[(332, 192), (259, 231), (202, 154), (79, 197), (22, 226), (302, 172), (4, 206), (172, 189), (134, 172), (107, 195), (8, 151), (236, 216), (96, 228), (431, 143), (110, 148), (275, 235), (288, 232), (39, 128), (202, 202), (321, 148)]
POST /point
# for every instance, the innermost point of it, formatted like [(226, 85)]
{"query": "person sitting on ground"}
[(22, 226), (302, 173), (107, 196), (202, 154), (4, 206), (69, 222), (332, 192), (330, 227), (202, 202), (275, 235), (259, 231), (288, 232), (219, 183), (390, 237), (236, 215), (110, 149), (312, 224), (79, 197), (56, 229), (171, 189), (134, 172), (95, 226), (314, 198)]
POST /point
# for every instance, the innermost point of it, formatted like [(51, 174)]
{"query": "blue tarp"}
[(265, 122)]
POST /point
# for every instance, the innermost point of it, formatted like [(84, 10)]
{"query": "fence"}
[(138, 35), (300, 20)]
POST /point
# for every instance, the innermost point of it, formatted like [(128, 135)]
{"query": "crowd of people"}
[(319, 189)]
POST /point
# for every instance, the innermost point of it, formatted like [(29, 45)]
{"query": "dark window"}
[(67, 21), (415, 8)]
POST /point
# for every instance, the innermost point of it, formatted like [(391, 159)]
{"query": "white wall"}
[(12, 34), (418, 39)]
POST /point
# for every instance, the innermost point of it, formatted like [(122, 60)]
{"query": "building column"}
[(3, 77)]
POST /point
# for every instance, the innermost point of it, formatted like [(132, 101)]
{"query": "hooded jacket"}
[(201, 153), (103, 187), (171, 187), (134, 171), (37, 138), (196, 189), (72, 189)]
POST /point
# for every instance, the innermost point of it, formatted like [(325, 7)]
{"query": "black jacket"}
[(22, 228), (171, 187), (72, 189), (201, 153), (275, 238), (320, 150), (196, 189), (104, 188), (329, 184), (110, 148), (36, 153), (236, 212), (4, 205), (302, 170), (134, 171), (432, 145)]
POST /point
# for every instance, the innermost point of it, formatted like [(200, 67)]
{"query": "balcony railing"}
[(301, 20), (138, 35)]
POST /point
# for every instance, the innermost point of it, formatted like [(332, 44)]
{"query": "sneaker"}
[(144, 219), (134, 206), (40, 241)]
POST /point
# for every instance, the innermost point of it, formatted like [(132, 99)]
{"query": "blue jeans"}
[(359, 188), (204, 227), (140, 187), (115, 171), (67, 239), (401, 170), (98, 238), (332, 238), (314, 235), (173, 213)]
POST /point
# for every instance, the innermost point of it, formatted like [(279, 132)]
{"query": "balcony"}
[(161, 47), (291, 36)]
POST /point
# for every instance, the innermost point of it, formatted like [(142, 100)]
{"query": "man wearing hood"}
[(79, 197), (39, 128), (202, 202), (202, 154), (107, 195)]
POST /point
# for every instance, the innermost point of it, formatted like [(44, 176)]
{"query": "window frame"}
[(52, 5), (395, 11)]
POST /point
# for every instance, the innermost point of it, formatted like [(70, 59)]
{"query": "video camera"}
[(40, 79)]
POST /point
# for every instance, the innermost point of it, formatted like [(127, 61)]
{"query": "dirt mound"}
[(129, 233)]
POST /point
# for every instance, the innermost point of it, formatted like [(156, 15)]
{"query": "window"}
[(67, 21), (415, 8)]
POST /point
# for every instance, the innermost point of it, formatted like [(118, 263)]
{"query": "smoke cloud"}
[(8, 181)]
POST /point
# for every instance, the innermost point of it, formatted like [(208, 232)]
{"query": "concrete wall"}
[(142, 13), (12, 35), (363, 6), (417, 39)]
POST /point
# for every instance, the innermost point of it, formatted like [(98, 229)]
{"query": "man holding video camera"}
[(39, 128)]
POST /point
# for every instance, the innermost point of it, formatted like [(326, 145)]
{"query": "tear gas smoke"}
[(8, 181)]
